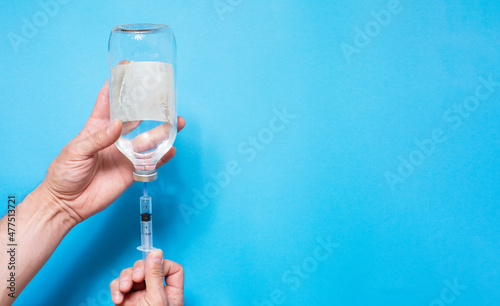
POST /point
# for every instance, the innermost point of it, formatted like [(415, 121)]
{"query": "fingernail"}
[(110, 125), (116, 296), (157, 256)]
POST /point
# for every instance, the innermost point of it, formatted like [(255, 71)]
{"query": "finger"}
[(175, 282), (151, 139), (125, 280), (138, 271), (174, 274), (129, 126), (154, 278), (181, 123), (167, 157), (100, 139), (116, 295), (134, 298), (101, 107)]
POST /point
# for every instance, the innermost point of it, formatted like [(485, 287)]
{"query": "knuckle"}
[(51, 168), (155, 299), (156, 273), (138, 264), (125, 272), (72, 150), (98, 137)]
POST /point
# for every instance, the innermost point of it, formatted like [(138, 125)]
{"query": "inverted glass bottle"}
[(142, 65)]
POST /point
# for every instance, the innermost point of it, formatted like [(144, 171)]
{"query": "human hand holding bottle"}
[(89, 174)]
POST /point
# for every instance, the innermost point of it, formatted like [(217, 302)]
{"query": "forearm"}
[(40, 224)]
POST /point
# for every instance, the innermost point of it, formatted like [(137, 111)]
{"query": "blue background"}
[(323, 176)]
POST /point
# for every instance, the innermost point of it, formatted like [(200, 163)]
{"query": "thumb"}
[(100, 139), (155, 291)]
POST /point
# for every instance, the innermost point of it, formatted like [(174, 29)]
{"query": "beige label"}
[(143, 91)]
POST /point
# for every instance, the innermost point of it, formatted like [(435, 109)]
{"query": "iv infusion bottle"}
[(142, 68)]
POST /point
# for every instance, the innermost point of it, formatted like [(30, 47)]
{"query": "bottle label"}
[(143, 91)]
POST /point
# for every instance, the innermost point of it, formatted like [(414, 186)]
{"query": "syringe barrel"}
[(146, 226)]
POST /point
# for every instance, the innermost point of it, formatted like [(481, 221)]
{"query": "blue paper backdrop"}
[(388, 152)]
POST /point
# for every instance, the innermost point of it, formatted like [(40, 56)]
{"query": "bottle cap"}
[(145, 177)]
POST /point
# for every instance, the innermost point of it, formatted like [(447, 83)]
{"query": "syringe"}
[(146, 224)]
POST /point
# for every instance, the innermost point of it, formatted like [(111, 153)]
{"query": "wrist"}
[(41, 224), (53, 208)]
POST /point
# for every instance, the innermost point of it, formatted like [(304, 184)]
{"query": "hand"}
[(90, 173), (146, 288)]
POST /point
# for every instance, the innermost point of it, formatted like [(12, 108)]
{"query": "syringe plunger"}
[(146, 225)]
